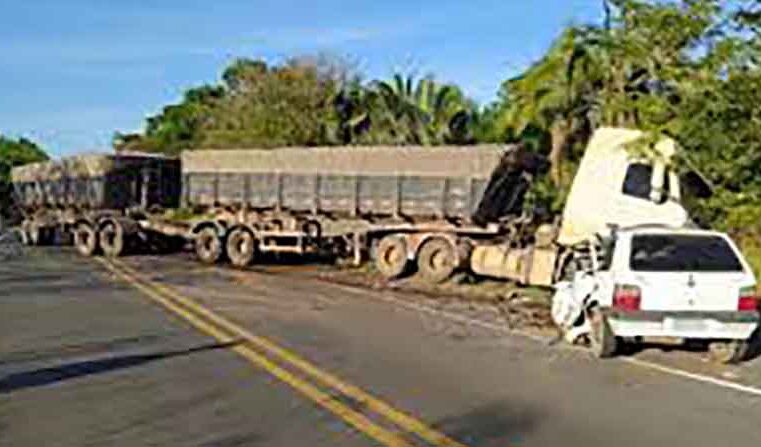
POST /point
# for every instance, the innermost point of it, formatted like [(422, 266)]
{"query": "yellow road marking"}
[(352, 417), (400, 418)]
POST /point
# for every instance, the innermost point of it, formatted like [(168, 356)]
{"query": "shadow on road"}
[(56, 374), (496, 423), (90, 347), (695, 346), (754, 351)]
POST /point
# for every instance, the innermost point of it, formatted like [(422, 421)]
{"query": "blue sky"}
[(72, 72)]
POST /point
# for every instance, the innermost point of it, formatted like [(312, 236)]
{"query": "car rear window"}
[(677, 253)]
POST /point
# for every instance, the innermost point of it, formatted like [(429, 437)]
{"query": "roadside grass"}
[(751, 249)]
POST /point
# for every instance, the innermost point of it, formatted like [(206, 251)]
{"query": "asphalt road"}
[(159, 351)]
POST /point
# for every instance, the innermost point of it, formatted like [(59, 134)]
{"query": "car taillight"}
[(627, 298), (747, 301)]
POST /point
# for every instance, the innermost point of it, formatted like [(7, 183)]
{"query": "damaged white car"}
[(651, 281)]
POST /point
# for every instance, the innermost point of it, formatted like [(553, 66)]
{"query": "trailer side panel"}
[(384, 181)]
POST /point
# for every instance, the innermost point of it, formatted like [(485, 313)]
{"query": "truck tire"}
[(602, 340), (208, 246), (391, 257), (729, 352), (112, 239), (86, 240), (437, 260), (241, 247), (34, 234), (24, 236)]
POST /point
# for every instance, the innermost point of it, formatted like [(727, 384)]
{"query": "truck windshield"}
[(677, 253)]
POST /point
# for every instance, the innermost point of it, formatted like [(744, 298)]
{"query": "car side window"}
[(638, 181)]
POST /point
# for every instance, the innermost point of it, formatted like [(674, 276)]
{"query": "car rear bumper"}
[(705, 325)]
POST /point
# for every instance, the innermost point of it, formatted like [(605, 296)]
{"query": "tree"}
[(424, 113), (177, 127), (271, 106), (548, 96), (628, 72), (307, 101)]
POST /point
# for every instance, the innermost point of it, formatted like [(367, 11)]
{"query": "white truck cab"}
[(656, 281), (618, 185)]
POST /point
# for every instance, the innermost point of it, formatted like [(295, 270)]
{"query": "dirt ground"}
[(520, 306), (514, 306)]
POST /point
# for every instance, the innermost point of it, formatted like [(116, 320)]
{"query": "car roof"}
[(662, 229)]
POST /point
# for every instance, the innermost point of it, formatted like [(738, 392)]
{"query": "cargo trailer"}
[(405, 207), (430, 209)]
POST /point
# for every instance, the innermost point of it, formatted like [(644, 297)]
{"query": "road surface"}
[(161, 351)]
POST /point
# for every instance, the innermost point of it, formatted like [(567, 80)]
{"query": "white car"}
[(659, 282)]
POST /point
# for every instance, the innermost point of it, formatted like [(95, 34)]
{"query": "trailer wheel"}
[(86, 240), (111, 238), (391, 257), (208, 246), (24, 236), (437, 260), (34, 235), (601, 338), (241, 247), (729, 352)]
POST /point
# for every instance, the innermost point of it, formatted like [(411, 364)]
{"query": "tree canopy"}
[(306, 102)]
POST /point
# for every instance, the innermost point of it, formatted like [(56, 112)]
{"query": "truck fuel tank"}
[(530, 265)]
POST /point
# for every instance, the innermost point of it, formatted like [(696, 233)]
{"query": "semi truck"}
[(409, 209)]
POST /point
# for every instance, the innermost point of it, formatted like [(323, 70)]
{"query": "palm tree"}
[(423, 112), (547, 95), (590, 76)]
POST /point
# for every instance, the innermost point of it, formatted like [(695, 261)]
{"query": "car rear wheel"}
[(728, 352), (602, 340)]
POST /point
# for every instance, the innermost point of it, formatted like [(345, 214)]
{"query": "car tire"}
[(602, 340), (729, 352)]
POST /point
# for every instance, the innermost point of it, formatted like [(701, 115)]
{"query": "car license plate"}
[(686, 325)]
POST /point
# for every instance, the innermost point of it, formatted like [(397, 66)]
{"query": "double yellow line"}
[(283, 364)]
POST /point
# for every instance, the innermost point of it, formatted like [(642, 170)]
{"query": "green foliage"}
[(14, 153), (688, 69), (307, 102), (422, 112)]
